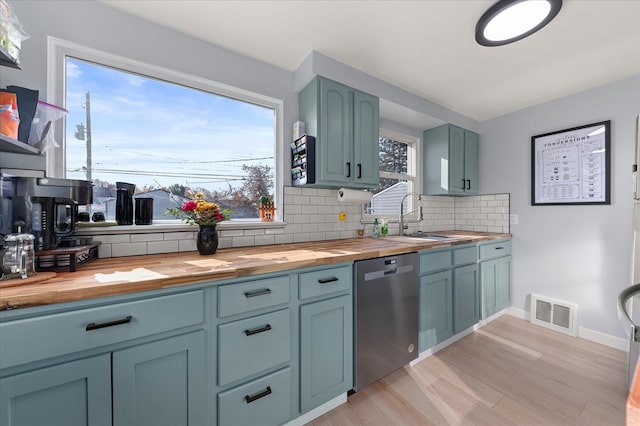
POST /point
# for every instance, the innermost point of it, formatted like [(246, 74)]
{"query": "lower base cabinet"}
[(162, 383), (496, 285), (466, 297), (74, 393), (158, 383), (266, 401), (326, 350), (436, 303)]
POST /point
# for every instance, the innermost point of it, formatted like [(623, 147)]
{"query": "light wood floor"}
[(507, 373)]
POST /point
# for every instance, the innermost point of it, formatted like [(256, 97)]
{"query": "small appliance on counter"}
[(124, 203), (49, 209), (17, 255)]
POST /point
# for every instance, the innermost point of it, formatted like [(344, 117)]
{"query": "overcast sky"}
[(153, 132)]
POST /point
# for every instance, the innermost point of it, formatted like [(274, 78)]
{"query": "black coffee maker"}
[(124, 203), (49, 207)]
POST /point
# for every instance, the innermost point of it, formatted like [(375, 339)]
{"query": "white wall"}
[(580, 254)]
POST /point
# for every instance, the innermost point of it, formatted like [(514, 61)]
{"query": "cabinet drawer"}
[(326, 281), (38, 338), (465, 255), (251, 345), (494, 250), (430, 262), (252, 295), (266, 401)]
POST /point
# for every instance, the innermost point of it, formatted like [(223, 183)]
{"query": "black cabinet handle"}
[(348, 169), (251, 398), (327, 280), (255, 293), (468, 183), (463, 186), (97, 325), (258, 330), (359, 171), (499, 248)]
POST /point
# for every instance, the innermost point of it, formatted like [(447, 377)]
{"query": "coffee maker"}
[(48, 207)]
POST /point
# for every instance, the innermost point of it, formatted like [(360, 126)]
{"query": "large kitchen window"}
[(170, 138), (397, 175)]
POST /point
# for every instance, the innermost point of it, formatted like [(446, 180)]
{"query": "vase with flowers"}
[(206, 215)]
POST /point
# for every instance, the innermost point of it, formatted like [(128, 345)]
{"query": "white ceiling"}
[(425, 47)]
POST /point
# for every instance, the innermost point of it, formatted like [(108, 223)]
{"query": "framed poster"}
[(572, 166)]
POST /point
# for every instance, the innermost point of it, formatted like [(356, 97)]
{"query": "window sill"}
[(173, 226)]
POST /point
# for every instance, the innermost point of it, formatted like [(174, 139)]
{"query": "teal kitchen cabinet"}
[(436, 309), (161, 383), (466, 287), (449, 293), (326, 335), (73, 393), (450, 161), (495, 277), (345, 123), (254, 352), (120, 363)]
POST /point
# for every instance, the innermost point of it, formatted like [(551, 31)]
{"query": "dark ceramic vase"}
[(207, 241)]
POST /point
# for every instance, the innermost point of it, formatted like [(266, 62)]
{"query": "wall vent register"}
[(554, 314)]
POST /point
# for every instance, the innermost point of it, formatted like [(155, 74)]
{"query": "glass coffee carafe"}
[(17, 258)]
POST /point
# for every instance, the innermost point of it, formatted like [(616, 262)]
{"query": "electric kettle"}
[(17, 258)]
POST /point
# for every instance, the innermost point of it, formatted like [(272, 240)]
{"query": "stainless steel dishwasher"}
[(386, 316)]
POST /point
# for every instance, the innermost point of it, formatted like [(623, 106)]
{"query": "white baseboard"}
[(318, 411), (583, 333)]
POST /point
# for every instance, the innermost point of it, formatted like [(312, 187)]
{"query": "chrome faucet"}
[(402, 214)]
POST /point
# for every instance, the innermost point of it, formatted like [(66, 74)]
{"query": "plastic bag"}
[(9, 118), (41, 135), (12, 34)]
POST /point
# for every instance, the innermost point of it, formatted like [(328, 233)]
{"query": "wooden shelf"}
[(8, 144), (6, 60)]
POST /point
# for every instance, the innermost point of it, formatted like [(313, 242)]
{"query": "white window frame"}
[(58, 50), (411, 177)]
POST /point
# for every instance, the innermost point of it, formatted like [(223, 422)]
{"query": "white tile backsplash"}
[(311, 214)]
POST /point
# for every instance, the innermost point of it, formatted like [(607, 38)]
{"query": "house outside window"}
[(170, 138), (397, 175)]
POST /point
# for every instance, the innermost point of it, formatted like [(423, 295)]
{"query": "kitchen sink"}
[(433, 237)]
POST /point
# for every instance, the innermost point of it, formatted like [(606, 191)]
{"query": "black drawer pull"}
[(359, 171), (468, 183), (348, 169), (328, 280), (251, 398), (97, 325), (463, 187), (255, 293), (500, 248), (258, 330)]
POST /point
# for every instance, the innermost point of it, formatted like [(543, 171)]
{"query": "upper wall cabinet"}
[(345, 123), (450, 165)]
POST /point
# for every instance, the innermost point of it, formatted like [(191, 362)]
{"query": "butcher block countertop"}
[(123, 275)]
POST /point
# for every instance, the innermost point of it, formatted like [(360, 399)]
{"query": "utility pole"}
[(88, 110), (83, 135)]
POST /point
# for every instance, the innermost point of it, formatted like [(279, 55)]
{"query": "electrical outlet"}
[(513, 219)]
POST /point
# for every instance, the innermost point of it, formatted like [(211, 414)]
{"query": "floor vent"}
[(554, 314)]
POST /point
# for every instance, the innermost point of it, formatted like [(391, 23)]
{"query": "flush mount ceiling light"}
[(512, 20)]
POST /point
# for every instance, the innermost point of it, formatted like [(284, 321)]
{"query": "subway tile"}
[(300, 237), (248, 232), (284, 238), (112, 239), (182, 235), (154, 247), (292, 209), (292, 190), (301, 199), (310, 227), (263, 240), (104, 251), (136, 238), (293, 228), (190, 245), (328, 193), (309, 192), (243, 241), (232, 233), (128, 249), (274, 231), (222, 243)]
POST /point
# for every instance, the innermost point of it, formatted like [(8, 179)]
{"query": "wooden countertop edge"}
[(633, 400), (82, 285)]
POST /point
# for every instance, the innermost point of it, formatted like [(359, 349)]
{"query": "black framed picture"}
[(572, 166)]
